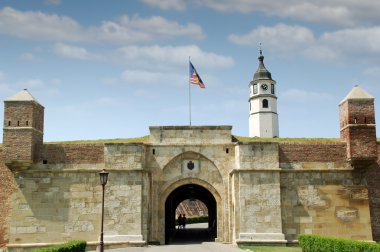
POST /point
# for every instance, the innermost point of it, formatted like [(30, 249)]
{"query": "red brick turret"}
[(23, 130), (357, 126)]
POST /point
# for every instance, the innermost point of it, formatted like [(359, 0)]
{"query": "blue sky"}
[(111, 69)]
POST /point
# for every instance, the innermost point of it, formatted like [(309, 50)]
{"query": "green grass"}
[(271, 249)]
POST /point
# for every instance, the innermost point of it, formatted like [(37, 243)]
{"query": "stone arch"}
[(174, 171), (166, 192), (188, 154)]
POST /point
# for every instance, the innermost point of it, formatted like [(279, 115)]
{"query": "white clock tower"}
[(263, 117)]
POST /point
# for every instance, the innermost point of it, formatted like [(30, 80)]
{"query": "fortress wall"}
[(324, 203), (7, 187), (73, 153)]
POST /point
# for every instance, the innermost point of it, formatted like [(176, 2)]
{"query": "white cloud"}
[(38, 25), (372, 71), (304, 96), (179, 5), (29, 57), (173, 56), (294, 37), (339, 12), (356, 40), (288, 41), (161, 27), (42, 26), (72, 52), (143, 77)]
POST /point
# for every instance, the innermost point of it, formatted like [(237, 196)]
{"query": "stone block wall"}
[(61, 206), (325, 203), (257, 156), (190, 135), (124, 156), (260, 203)]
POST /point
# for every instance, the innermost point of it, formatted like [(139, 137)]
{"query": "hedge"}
[(316, 243), (71, 246), (198, 219)]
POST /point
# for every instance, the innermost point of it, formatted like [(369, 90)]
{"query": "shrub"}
[(198, 219), (316, 243), (71, 246)]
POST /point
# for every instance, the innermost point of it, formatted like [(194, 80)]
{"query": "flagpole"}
[(189, 95)]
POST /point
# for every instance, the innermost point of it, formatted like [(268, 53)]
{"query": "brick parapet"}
[(312, 152), (72, 153)]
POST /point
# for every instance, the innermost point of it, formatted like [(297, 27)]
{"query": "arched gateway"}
[(192, 192)]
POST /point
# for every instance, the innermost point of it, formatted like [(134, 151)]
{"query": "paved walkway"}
[(199, 247)]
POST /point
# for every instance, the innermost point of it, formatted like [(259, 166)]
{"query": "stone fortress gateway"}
[(256, 190)]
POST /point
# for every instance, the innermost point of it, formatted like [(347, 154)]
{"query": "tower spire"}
[(263, 118)]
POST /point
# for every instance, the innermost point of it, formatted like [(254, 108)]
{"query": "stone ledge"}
[(123, 238), (262, 238)]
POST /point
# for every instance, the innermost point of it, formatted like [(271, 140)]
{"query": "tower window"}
[(355, 120), (227, 150), (27, 123), (255, 88), (265, 103), (272, 88), (365, 119), (9, 123), (154, 151), (18, 123)]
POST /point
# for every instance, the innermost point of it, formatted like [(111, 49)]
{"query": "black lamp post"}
[(103, 181)]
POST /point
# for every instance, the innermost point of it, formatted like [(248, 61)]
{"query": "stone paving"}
[(195, 238)]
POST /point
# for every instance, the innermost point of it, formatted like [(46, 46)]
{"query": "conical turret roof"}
[(23, 95), (357, 93), (262, 73)]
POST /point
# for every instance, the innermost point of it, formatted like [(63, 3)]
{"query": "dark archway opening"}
[(193, 235)]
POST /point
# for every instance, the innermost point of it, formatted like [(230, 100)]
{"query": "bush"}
[(198, 219), (316, 243), (71, 246)]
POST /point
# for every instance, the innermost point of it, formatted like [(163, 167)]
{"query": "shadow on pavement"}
[(191, 236)]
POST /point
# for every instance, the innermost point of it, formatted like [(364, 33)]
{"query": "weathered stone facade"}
[(256, 191)]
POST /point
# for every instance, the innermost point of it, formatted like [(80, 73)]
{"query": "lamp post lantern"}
[(103, 181)]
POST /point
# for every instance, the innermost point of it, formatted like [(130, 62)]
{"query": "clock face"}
[(264, 86)]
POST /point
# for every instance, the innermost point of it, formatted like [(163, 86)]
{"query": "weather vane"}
[(260, 48)]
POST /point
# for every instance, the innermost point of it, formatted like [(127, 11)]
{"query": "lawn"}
[(271, 249)]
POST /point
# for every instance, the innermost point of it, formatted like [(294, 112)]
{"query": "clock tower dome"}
[(263, 117)]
